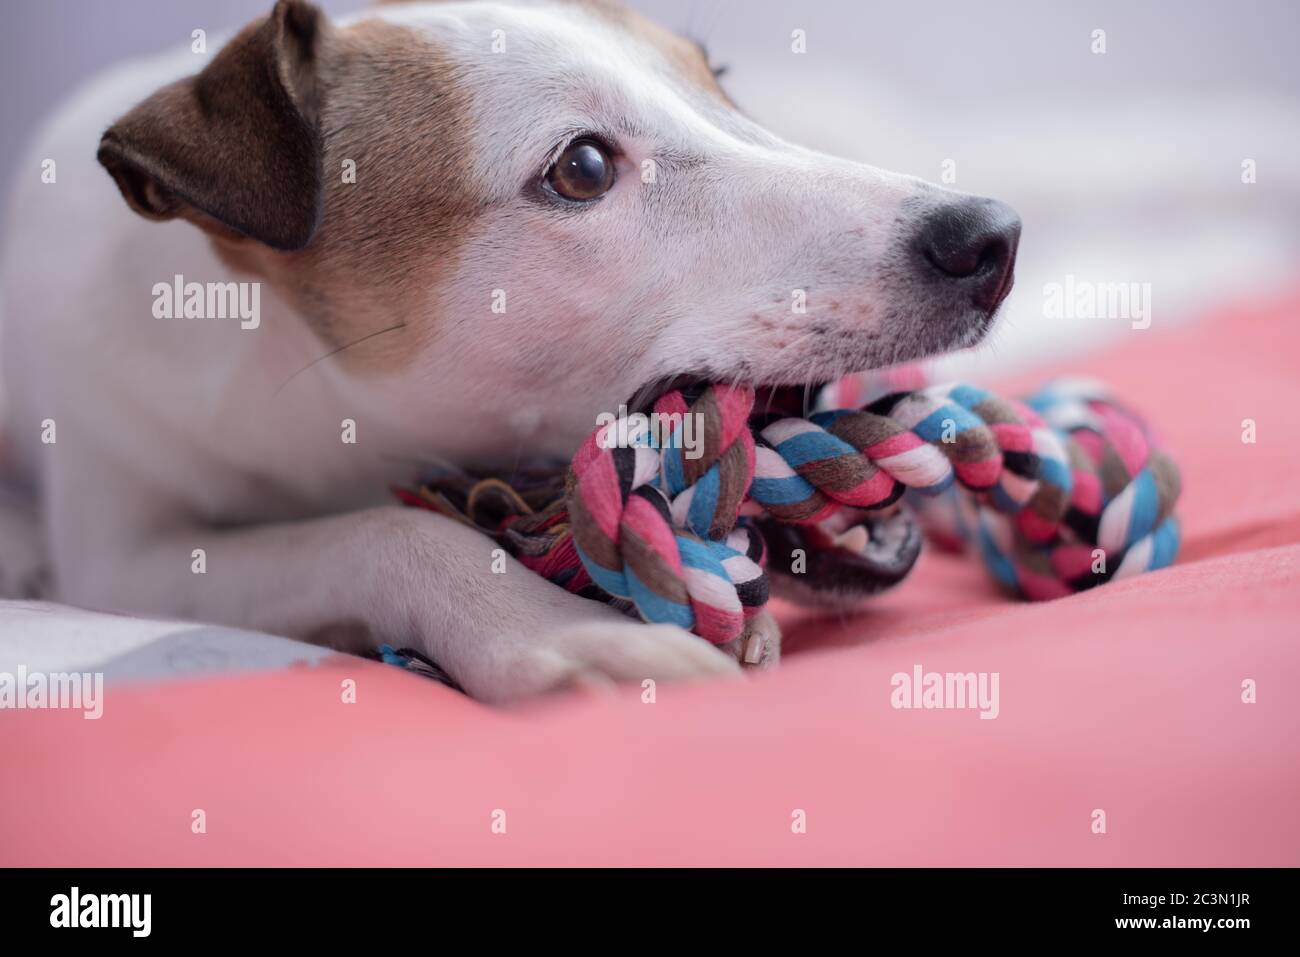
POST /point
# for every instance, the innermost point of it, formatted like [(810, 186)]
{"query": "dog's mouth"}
[(852, 554)]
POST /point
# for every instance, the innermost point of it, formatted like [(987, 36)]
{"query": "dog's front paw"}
[(598, 655)]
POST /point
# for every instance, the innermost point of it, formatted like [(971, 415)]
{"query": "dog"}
[(468, 228)]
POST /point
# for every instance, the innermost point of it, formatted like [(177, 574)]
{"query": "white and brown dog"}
[(460, 253)]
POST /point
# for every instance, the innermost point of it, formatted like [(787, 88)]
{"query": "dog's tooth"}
[(753, 649), (854, 540)]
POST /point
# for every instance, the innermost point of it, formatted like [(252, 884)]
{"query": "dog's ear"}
[(235, 148)]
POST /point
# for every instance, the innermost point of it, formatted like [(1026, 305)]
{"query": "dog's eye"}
[(585, 170)]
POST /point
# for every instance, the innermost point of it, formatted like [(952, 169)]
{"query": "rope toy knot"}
[(658, 526)]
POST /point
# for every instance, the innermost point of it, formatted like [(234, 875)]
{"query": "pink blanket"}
[(1121, 735)]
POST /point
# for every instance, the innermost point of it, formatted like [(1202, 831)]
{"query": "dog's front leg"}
[(391, 575)]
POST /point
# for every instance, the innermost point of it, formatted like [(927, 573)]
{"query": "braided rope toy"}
[(1060, 492)]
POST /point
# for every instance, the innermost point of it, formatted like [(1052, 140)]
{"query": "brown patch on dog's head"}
[(330, 162), (388, 240)]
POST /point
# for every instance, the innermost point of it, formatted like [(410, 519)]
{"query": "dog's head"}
[(554, 204)]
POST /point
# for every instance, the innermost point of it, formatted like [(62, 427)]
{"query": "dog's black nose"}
[(973, 242)]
